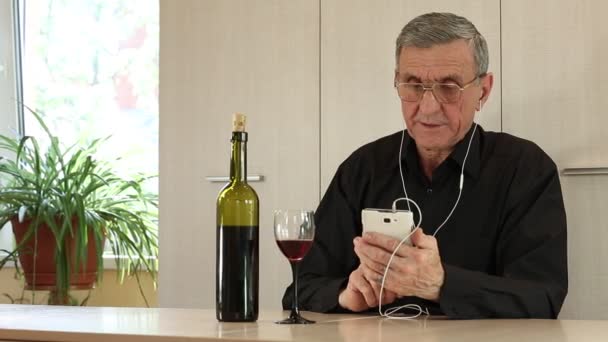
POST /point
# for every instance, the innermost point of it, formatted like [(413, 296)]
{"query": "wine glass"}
[(294, 231)]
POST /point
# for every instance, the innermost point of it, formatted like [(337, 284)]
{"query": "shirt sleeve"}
[(531, 254), (325, 270)]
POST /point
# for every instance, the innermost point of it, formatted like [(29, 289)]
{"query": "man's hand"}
[(414, 271), (361, 294)]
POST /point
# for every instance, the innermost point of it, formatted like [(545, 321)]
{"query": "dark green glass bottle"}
[(237, 239)]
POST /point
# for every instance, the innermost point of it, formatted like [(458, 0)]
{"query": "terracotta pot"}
[(82, 278)]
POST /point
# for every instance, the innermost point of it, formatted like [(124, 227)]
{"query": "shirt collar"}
[(473, 162)]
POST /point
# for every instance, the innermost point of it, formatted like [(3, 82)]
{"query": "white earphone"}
[(460, 186), (389, 313)]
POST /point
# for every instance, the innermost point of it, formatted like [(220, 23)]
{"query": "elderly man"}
[(493, 239)]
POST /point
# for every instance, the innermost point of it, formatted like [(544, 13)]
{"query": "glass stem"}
[(295, 311)]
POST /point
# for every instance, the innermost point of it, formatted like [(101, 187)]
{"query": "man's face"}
[(439, 126)]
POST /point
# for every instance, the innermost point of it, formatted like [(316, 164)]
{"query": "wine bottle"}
[(237, 238)]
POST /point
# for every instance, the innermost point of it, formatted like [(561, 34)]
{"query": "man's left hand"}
[(414, 271)]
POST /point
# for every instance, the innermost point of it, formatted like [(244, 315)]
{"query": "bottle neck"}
[(238, 161)]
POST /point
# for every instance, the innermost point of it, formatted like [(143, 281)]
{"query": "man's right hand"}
[(361, 294)]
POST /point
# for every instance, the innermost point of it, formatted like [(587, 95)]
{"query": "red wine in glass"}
[(294, 232), (294, 250)]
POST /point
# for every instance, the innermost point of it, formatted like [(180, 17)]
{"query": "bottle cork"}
[(238, 122)]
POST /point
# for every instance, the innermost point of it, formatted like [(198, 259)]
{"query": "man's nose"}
[(429, 103)]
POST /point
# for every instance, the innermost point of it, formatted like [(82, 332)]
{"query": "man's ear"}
[(486, 88)]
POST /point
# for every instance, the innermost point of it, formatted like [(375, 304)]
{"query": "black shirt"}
[(503, 250)]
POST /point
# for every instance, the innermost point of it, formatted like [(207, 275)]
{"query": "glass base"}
[(295, 319)]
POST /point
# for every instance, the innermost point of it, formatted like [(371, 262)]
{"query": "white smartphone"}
[(397, 224)]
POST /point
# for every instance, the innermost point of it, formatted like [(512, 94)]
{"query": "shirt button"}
[(429, 191)]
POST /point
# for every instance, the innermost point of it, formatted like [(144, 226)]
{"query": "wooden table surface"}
[(55, 323)]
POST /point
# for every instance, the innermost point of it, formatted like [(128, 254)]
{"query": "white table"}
[(53, 323)]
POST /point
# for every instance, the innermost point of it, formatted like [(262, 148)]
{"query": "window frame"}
[(10, 84)]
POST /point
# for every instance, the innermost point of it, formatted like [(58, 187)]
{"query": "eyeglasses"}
[(443, 92)]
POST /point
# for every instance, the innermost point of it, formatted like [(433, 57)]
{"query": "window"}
[(91, 68)]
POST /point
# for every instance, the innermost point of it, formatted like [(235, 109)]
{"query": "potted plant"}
[(64, 204)]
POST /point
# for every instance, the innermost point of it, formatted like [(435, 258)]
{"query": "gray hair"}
[(431, 29)]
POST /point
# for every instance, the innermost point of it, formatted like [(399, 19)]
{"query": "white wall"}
[(217, 58)]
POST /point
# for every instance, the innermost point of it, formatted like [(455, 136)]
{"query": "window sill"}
[(109, 261)]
